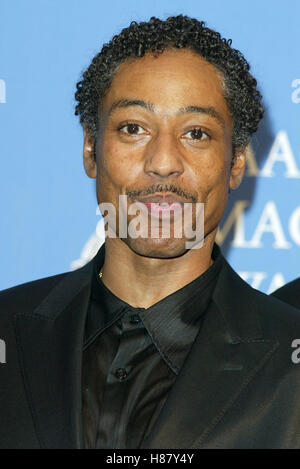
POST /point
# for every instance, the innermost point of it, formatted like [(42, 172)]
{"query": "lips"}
[(162, 208), (162, 203), (162, 198)]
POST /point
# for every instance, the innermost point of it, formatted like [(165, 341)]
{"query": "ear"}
[(89, 160), (238, 166)]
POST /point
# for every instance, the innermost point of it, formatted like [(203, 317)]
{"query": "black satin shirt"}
[(132, 356)]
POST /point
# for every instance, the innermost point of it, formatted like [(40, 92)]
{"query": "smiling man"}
[(155, 343)]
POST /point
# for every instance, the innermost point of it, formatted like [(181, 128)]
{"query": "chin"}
[(162, 248)]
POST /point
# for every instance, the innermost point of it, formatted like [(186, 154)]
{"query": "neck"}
[(143, 281)]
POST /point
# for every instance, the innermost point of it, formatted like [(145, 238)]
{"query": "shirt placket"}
[(117, 384)]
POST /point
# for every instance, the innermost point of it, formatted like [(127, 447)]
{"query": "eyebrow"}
[(210, 111), (122, 103)]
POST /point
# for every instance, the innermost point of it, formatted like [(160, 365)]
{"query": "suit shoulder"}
[(27, 296), (277, 319), (289, 293)]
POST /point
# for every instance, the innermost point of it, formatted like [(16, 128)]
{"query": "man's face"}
[(165, 130)]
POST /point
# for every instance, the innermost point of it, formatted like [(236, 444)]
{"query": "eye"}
[(131, 129), (196, 134)]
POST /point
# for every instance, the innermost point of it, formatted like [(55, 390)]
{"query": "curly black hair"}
[(154, 36)]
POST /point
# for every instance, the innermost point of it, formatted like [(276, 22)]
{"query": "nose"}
[(162, 158)]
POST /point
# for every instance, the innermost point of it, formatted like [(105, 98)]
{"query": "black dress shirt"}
[(132, 356)]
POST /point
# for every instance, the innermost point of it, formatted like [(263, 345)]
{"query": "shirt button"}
[(121, 374), (135, 319)]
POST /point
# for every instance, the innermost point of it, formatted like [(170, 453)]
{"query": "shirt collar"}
[(172, 322)]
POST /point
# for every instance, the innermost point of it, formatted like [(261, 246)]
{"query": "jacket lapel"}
[(227, 354), (50, 352)]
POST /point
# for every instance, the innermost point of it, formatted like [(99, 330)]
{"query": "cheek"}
[(212, 178), (116, 167), (214, 193)]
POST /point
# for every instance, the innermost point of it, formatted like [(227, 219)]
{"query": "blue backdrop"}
[(48, 205)]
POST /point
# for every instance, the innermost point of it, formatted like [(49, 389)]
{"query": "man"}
[(289, 293), (154, 344)]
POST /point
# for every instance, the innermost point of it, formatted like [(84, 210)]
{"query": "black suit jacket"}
[(289, 293), (237, 389)]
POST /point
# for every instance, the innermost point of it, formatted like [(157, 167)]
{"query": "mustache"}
[(161, 188)]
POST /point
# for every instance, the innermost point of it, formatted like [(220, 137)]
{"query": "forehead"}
[(173, 79)]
